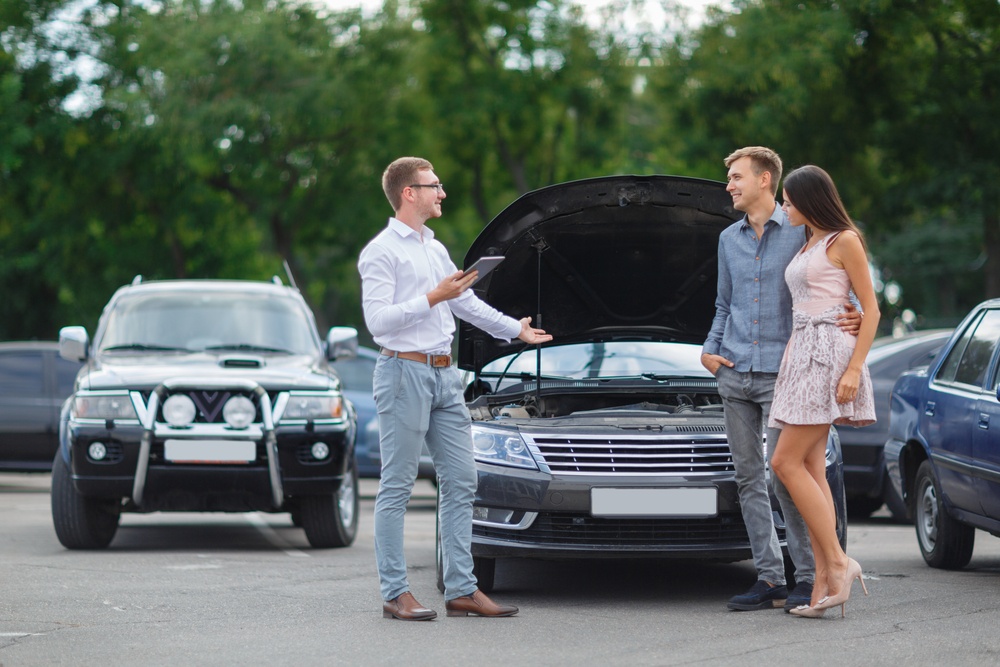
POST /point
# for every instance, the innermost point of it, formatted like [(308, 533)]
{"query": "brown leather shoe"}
[(478, 604), (406, 608)]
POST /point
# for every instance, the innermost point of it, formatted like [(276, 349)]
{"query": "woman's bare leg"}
[(800, 462)]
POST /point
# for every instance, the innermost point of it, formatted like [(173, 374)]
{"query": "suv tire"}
[(80, 522), (943, 541), (332, 521)]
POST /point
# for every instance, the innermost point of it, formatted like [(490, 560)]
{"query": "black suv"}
[(205, 395)]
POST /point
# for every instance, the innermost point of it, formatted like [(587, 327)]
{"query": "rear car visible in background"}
[(865, 481), (356, 374), (34, 383), (943, 451)]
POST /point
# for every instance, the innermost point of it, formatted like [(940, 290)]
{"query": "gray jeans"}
[(746, 398), (416, 403)]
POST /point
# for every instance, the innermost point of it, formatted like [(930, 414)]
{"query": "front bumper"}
[(520, 513), (139, 469)]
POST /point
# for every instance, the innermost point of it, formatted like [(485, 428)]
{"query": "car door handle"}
[(984, 421), (929, 408)]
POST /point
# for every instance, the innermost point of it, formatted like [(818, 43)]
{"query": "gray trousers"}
[(746, 398)]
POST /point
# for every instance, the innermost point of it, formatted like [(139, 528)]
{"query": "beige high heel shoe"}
[(806, 611), (841, 598)]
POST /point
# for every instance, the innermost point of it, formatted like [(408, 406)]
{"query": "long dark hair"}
[(811, 190)]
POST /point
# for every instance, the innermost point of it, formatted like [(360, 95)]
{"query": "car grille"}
[(677, 454), (209, 404), (575, 530)]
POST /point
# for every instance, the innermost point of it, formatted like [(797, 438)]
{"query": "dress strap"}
[(830, 238)]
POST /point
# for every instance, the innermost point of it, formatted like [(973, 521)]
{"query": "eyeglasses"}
[(437, 186)]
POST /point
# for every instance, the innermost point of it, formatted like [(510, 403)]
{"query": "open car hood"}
[(601, 259)]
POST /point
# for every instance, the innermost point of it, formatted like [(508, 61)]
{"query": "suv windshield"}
[(209, 320)]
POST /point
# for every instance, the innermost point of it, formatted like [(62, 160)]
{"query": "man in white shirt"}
[(411, 293)]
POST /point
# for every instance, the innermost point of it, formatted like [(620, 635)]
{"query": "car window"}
[(22, 374), (978, 344), (356, 373), (210, 320), (65, 376)]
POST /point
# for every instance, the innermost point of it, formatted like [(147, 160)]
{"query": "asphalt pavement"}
[(216, 589)]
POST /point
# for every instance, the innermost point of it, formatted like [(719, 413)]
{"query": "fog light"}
[(97, 451), (492, 515), (178, 410), (320, 450), (239, 412)]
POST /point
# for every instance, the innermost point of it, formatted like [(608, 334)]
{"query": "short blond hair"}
[(761, 159), (399, 174)]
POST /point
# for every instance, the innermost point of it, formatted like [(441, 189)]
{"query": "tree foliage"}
[(220, 138)]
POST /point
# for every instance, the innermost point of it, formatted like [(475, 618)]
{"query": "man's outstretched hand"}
[(531, 335)]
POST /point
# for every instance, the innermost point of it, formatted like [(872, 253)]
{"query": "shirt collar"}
[(404, 230), (777, 216)]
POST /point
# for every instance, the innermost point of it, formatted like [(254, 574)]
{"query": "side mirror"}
[(341, 343), (73, 343)]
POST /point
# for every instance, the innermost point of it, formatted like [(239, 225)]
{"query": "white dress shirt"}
[(398, 269)]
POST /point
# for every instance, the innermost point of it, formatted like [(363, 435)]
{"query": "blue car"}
[(356, 374), (943, 452)]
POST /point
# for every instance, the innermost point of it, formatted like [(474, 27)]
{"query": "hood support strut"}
[(540, 246)]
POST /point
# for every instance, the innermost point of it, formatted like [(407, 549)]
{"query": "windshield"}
[(606, 360), (221, 321)]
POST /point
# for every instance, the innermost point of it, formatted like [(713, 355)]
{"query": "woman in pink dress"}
[(823, 379)]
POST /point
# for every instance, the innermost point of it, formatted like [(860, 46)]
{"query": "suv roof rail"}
[(137, 279)]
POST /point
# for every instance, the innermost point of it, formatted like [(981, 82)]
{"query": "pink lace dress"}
[(818, 351)]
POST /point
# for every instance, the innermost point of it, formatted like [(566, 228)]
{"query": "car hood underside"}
[(613, 258)]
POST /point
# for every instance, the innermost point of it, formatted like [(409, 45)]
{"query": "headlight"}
[(179, 410), (239, 412), (501, 447), (318, 405), (115, 405)]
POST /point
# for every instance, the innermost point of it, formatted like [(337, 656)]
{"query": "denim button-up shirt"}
[(753, 308)]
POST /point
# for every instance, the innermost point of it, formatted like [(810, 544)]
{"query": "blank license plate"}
[(209, 451), (687, 502)]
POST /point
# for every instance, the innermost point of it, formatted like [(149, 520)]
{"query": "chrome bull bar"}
[(153, 429)]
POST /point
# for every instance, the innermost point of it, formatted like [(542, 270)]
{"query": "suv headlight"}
[(501, 447), (314, 405), (103, 405)]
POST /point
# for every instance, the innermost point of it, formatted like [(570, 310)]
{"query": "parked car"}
[(34, 382), (205, 396), (865, 481), (610, 440), (943, 451), (356, 373)]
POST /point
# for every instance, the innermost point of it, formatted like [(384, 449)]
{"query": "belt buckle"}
[(440, 360)]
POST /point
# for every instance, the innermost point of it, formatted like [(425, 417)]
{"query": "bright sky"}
[(651, 12)]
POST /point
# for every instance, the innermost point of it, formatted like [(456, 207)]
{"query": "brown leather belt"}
[(435, 360)]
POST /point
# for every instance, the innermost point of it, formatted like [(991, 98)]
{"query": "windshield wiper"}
[(144, 347), (248, 347)]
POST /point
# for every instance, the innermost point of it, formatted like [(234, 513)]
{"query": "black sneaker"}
[(800, 595), (760, 596)]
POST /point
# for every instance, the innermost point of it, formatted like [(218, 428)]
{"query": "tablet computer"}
[(484, 265)]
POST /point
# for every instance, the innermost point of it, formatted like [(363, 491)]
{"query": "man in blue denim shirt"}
[(753, 321)]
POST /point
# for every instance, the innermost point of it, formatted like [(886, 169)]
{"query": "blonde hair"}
[(399, 174), (761, 159)]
